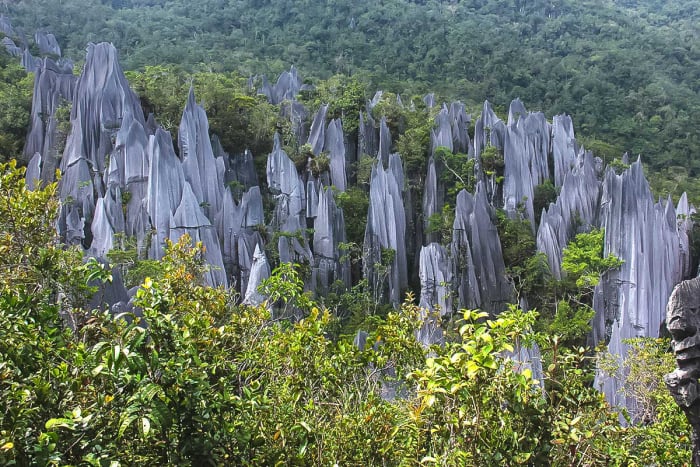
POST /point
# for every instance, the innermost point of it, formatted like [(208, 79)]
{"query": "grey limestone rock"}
[(128, 169), (287, 87), (297, 114), (683, 321), (289, 217), (384, 142), (239, 174), (236, 227), (563, 147), (33, 175), (317, 134), (488, 130), (11, 47), (386, 230), (576, 208), (630, 301), (102, 97), (368, 140), (436, 279), (335, 146), (312, 186), (260, 270), (515, 111), (53, 87), (329, 233), (460, 125), (108, 220), (6, 26), (282, 176), (204, 173), (165, 187), (476, 249), (435, 295), (525, 155), (441, 135), (190, 219), (432, 201), (47, 44), (30, 62)]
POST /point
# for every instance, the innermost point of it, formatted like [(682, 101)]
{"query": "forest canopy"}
[(627, 71)]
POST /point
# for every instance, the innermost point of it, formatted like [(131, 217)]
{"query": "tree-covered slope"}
[(628, 71)]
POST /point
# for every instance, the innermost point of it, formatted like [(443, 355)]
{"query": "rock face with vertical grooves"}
[(335, 146), (259, 271), (460, 124), (525, 155), (630, 301), (6, 26), (289, 190), (441, 135), (436, 279), (317, 134), (47, 44), (575, 209), (287, 87), (165, 187), (11, 47), (479, 270), (368, 140), (432, 202), (435, 294), (329, 232), (386, 229), (189, 218), (384, 142), (53, 87), (563, 147), (489, 130), (102, 97)]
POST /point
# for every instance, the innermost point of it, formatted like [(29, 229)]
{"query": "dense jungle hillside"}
[(627, 71)]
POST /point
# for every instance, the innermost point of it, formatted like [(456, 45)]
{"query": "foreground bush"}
[(192, 378)]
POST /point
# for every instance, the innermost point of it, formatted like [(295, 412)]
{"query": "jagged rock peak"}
[(47, 44), (102, 97), (563, 147), (287, 87), (386, 230), (480, 270), (335, 146), (259, 271), (515, 111), (575, 209), (318, 129), (204, 172), (630, 300)]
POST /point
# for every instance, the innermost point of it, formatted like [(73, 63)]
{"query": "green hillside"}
[(627, 71)]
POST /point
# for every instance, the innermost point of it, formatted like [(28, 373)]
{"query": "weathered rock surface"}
[(630, 301), (385, 233), (683, 322), (575, 209), (47, 44), (479, 274), (53, 87), (435, 294)]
